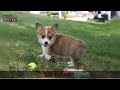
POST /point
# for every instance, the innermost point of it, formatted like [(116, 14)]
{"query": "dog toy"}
[(76, 73), (32, 66)]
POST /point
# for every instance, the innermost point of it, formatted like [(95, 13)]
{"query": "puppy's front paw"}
[(41, 55), (71, 65), (48, 57), (69, 62)]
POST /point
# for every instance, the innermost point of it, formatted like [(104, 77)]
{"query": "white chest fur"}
[(45, 49)]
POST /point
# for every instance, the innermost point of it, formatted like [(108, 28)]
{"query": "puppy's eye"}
[(43, 37), (50, 37)]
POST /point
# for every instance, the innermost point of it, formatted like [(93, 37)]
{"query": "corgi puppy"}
[(54, 44)]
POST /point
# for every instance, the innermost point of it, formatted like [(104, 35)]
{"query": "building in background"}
[(80, 15), (115, 14), (85, 15)]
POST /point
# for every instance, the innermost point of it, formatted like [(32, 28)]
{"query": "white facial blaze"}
[(46, 39)]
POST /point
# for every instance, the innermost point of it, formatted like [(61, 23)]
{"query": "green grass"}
[(24, 47), (115, 45)]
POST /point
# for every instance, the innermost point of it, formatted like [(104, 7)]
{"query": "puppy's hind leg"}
[(77, 61), (70, 63), (77, 56)]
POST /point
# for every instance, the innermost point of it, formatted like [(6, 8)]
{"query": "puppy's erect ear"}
[(38, 26), (55, 27)]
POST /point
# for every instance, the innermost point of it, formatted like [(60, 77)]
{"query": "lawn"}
[(24, 47), (115, 45)]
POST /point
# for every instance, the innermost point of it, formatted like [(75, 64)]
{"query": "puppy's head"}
[(46, 35)]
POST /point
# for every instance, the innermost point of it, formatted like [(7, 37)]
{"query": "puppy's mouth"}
[(45, 45)]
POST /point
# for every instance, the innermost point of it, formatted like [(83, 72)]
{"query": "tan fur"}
[(63, 45), (68, 46)]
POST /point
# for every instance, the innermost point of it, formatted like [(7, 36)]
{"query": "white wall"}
[(109, 15), (118, 13), (35, 12)]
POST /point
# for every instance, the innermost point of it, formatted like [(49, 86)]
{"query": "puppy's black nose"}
[(46, 43)]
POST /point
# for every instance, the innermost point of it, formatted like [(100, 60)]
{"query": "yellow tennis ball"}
[(32, 66)]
